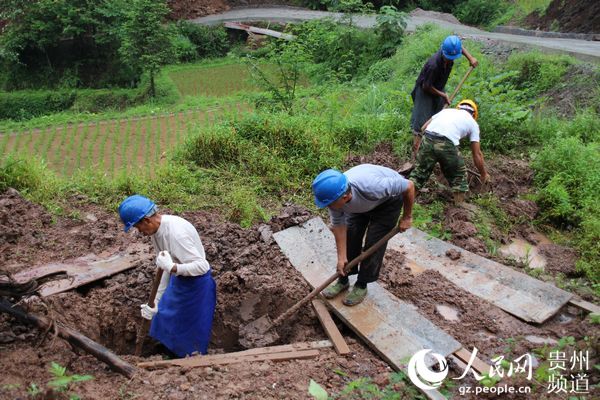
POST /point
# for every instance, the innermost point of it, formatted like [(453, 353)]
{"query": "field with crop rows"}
[(217, 81), (113, 145)]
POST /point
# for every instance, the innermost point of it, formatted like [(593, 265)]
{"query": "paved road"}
[(588, 50)]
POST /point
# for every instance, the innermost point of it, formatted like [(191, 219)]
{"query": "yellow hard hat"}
[(469, 104)]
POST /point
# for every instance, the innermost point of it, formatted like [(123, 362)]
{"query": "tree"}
[(390, 29), (145, 40)]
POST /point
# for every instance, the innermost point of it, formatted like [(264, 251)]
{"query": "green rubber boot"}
[(333, 290), (356, 296)]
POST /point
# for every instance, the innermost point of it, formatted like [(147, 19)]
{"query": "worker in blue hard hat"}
[(364, 204), (428, 94), (186, 298)]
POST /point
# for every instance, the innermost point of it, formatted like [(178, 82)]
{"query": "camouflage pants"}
[(451, 162)]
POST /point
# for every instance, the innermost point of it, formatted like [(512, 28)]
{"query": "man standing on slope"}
[(440, 145), (364, 204), (428, 94), (186, 298)]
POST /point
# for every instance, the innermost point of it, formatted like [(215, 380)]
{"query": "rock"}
[(91, 217), (453, 254), (266, 234)]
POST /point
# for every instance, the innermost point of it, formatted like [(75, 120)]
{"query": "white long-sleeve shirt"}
[(181, 240)]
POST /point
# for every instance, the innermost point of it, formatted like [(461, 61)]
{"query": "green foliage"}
[(145, 41), (429, 219), (243, 205), (568, 178), (60, 385), (183, 48), (365, 388), (480, 12), (90, 100), (282, 76), (536, 71), (61, 381), (340, 52), (49, 43), (209, 41), (390, 25), (28, 104), (28, 176)]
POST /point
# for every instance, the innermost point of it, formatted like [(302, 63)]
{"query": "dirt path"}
[(579, 48)]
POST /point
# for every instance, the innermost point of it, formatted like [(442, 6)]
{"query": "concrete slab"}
[(394, 329), (80, 271), (516, 293)]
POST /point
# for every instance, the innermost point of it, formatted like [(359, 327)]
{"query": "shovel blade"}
[(258, 333), (406, 169)]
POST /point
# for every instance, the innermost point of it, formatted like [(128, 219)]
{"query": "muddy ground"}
[(253, 278), (581, 16)]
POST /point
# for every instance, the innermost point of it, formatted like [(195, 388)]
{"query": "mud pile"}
[(29, 235)]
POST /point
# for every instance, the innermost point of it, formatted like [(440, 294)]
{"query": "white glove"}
[(148, 312), (164, 261)]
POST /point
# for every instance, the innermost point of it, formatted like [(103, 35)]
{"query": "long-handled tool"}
[(259, 332), (407, 167), (146, 323)]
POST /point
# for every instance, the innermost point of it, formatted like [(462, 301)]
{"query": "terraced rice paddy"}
[(114, 145)]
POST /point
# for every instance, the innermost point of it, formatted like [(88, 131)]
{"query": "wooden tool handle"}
[(146, 323), (461, 83), (332, 278)]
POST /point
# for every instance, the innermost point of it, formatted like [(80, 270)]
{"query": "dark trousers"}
[(376, 224)]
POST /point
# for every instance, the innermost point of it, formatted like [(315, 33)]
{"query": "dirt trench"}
[(253, 278)]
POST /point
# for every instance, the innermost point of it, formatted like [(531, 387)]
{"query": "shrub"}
[(27, 104), (479, 12), (210, 41), (536, 71), (90, 100), (568, 178), (185, 50)]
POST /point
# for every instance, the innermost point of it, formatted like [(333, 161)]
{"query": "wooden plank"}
[(232, 358), (333, 333), (478, 365), (251, 352), (514, 292), (80, 271), (586, 306), (260, 31), (394, 329)]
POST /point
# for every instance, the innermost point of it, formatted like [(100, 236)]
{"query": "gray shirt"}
[(371, 185)]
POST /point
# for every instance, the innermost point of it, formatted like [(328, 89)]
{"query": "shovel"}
[(259, 333), (139, 343), (407, 167)]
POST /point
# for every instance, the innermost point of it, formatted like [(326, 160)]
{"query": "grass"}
[(247, 165)]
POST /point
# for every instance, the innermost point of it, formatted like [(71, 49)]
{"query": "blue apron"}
[(183, 323)]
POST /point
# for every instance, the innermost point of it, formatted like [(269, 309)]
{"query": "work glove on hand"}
[(164, 261), (148, 312)]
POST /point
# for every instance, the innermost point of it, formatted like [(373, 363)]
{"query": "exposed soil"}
[(581, 16), (579, 90), (253, 279), (418, 12), (559, 259), (382, 154), (188, 9)]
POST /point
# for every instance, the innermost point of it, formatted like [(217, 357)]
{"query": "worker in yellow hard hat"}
[(442, 135)]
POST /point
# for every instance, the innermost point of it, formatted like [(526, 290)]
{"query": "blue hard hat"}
[(133, 209), (329, 186), (452, 47)]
